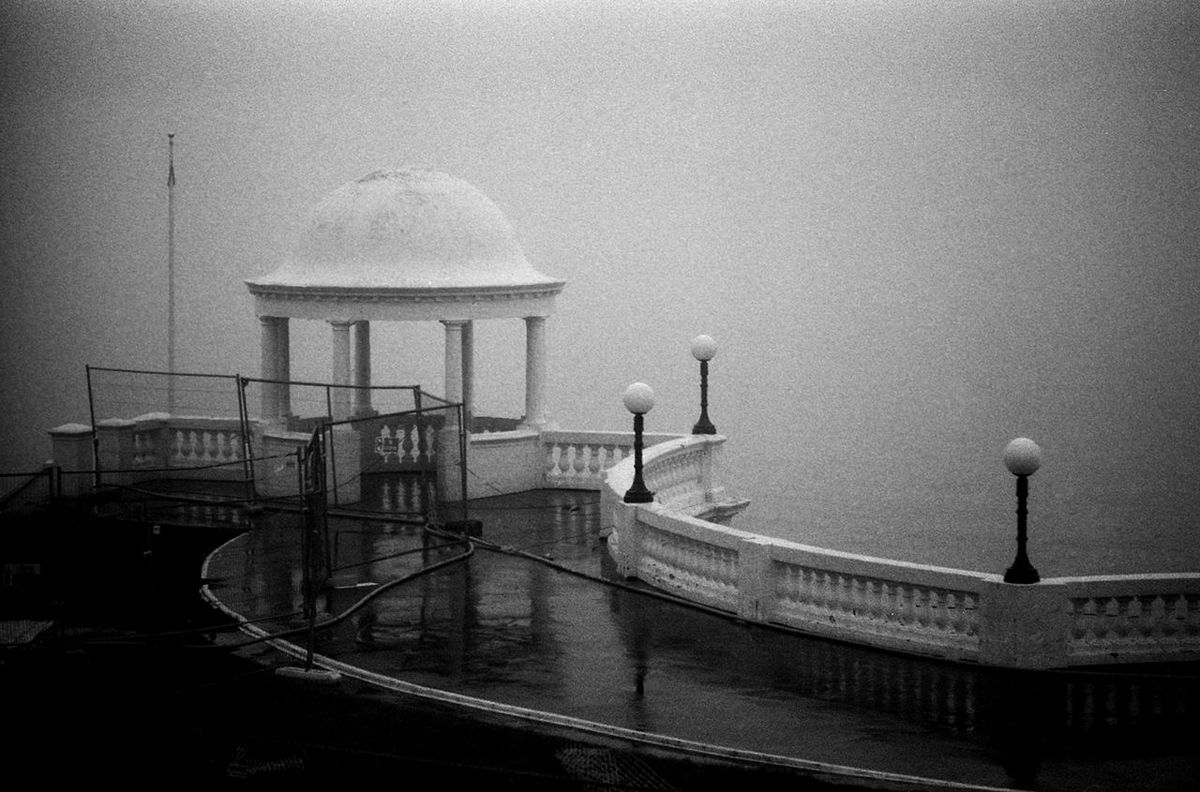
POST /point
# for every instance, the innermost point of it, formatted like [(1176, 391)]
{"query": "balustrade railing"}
[(937, 611), (406, 445), (578, 460), (1130, 615), (894, 605), (172, 443)]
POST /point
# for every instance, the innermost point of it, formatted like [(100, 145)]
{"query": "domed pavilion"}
[(403, 245)]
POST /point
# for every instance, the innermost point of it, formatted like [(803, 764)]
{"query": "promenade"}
[(527, 631)]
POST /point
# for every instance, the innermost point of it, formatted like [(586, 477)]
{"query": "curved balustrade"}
[(578, 460), (936, 611)]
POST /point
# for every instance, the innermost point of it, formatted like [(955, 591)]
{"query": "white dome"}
[(405, 229)]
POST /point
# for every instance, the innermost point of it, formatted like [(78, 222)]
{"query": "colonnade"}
[(351, 368)]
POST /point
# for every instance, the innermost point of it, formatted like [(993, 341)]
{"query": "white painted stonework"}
[(674, 544), (404, 246)]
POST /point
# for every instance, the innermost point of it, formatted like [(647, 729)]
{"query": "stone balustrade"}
[(577, 460), (675, 544), (127, 449), (160, 442), (406, 443), (1128, 615)]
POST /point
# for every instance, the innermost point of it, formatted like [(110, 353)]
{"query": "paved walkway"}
[(529, 629)]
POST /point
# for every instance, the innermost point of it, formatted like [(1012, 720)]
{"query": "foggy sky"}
[(916, 230)]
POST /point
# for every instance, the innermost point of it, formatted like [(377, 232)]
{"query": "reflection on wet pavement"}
[(503, 627)]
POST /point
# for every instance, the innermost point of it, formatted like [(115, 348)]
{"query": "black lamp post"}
[(704, 349), (1022, 457), (638, 398)]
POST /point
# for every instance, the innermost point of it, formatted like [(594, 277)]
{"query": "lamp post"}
[(638, 398), (1022, 457), (704, 349)]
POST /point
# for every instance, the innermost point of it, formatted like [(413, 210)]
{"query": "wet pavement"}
[(534, 618)]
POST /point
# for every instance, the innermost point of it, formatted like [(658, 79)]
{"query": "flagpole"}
[(171, 274)]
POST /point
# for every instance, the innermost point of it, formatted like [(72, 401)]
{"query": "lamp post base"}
[(1021, 573)]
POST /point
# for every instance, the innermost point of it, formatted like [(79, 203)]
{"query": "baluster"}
[(907, 616), (1149, 621), (579, 463), (1083, 618), (1170, 616), (912, 603), (837, 596), (785, 585), (804, 584), (872, 607), (425, 454), (970, 612), (405, 443), (567, 460), (594, 466), (857, 595), (955, 616), (887, 591), (816, 599), (936, 605), (1106, 614), (824, 590), (1192, 614), (1124, 620)]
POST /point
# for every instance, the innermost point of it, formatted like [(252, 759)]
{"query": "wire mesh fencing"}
[(389, 463), (153, 424), (19, 491), (382, 442)]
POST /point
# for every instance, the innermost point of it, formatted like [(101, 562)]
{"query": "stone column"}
[(283, 367), (362, 368), (270, 366), (535, 373), (454, 360), (468, 371), (340, 397), (449, 458)]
